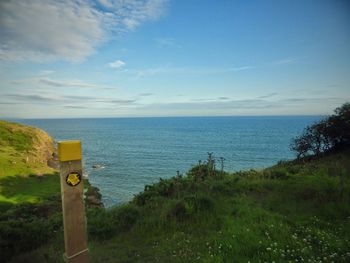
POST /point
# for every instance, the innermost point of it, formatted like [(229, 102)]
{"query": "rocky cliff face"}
[(93, 197), (43, 147)]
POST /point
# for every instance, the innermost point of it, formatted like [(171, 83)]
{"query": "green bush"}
[(165, 187), (124, 217), (224, 186), (18, 236), (142, 198), (201, 171), (277, 173), (204, 203), (105, 223), (100, 224), (331, 133), (162, 188), (189, 206), (178, 211)]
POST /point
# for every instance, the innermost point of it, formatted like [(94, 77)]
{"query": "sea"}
[(122, 155)]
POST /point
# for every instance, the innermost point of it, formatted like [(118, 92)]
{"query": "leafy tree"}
[(331, 133), (338, 130)]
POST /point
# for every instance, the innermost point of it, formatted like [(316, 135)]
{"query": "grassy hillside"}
[(30, 200), (24, 150), (24, 173), (293, 212)]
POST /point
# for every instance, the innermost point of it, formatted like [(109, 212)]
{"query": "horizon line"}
[(177, 116)]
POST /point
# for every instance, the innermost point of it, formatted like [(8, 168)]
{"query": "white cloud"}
[(134, 12), (38, 30), (241, 68), (151, 71), (117, 64), (106, 3), (68, 29), (285, 61), (186, 70), (167, 42), (59, 83), (46, 72), (66, 83)]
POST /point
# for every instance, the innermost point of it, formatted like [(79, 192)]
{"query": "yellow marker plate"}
[(73, 178), (69, 151)]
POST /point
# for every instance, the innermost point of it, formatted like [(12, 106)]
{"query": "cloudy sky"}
[(105, 58)]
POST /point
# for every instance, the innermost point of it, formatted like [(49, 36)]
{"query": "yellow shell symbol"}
[(73, 179)]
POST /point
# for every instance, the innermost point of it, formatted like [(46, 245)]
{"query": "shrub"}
[(162, 188), (223, 186), (125, 217), (18, 236), (293, 169), (165, 187), (142, 198), (204, 203), (201, 171), (178, 211), (188, 206), (100, 224), (105, 223), (277, 173)]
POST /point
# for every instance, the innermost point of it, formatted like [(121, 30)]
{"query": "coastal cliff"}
[(24, 150), (30, 197), (29, 166), (294, 211)]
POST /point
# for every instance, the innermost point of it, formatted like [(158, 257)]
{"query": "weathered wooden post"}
[(72, 191)]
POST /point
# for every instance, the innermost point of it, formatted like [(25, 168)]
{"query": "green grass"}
[(14, 135), (20, 153), (292, 212), (11, 163), (30, 200), (19, 150), (30, 189)]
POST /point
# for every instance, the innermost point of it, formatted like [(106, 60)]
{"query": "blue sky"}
[(126, 58)]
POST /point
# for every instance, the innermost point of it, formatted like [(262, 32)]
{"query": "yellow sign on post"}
[(69, 151), (73, 178), (72, 189)]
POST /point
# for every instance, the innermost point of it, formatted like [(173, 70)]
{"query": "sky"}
[(135, 58)]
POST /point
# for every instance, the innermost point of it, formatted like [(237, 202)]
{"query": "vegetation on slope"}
[(24, 172), (30, 200), (29, 188), (24, 150), (295, 211)]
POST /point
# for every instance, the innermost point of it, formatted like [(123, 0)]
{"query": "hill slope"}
[(293, 212), (24, 150), (24, 172), (30, 196)]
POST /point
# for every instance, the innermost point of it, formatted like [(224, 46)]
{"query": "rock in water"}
[(98, 166)]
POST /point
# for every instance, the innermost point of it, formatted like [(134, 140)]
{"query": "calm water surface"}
[(138, 151)]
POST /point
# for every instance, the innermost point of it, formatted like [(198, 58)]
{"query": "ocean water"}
[(138, 151)]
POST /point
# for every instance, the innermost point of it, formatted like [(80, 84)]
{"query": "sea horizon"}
[(134, 152), (159, 117)]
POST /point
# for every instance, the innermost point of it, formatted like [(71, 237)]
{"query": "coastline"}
[(204, 215)]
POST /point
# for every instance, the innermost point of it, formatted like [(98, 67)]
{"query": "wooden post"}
[(72, 191)]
